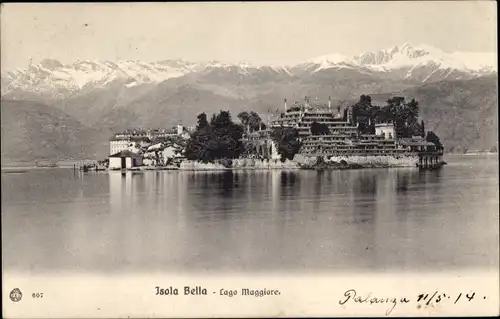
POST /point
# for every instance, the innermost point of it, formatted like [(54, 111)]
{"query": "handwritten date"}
[(437, 297)]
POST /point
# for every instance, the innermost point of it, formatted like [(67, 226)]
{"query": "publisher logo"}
[(16, 295)]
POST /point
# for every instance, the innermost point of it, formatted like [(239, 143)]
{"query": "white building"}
[(116, 145), (134, 140), (386, 130), (124, 159), (155, 147), (168, 154)]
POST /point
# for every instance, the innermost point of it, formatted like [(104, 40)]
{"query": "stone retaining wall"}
[(377, 161), (363, 161), (238, 164)]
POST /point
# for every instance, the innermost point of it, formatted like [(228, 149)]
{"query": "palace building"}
[(343, 138)]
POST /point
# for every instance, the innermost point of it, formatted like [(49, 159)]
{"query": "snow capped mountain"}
[(422, 59), (52, 76), (405, 63), (329, 61), (408, 55), (244, 68)]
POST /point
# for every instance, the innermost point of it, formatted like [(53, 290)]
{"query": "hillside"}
[(33, 131), (167, 107), (464, 114)]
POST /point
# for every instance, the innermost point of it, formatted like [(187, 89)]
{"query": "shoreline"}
[(69, 163), (291, 165)]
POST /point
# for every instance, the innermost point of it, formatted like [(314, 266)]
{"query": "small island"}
[(303, 136)]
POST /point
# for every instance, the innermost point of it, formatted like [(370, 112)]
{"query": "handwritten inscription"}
[(353, 296), (426, 299), (437, 297)]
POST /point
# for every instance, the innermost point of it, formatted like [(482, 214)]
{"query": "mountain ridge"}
[(409, 63)]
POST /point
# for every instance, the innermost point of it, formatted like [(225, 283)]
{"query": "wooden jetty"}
[(430, 160), (94, 166)]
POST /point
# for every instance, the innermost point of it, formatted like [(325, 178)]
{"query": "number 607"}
[(37, 295)]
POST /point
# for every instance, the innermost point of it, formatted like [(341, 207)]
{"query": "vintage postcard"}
[(249, 159)]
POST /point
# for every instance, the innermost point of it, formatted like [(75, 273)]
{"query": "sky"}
[(275, 33)]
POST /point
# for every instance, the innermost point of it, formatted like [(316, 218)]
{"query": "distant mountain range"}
[(412, 64), (105, 96)]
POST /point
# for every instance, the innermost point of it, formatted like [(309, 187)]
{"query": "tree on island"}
[(362, 115), (219, 139), (403, 114), (202, 121), (200, 145), (433, 138), (251, 120), (287, 142), (228, 136), (319, 128)]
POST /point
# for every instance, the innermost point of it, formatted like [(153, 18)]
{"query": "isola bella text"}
[(200, 291)]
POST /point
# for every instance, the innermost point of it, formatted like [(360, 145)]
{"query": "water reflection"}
[(288, 178), (365, 196), (402, 181), (376, 219)]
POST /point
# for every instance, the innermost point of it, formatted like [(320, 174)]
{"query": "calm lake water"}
[(362, 220)]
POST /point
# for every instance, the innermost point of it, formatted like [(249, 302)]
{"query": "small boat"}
[(45, 164)]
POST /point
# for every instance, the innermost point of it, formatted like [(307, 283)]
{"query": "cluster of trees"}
[(219, 139), (287, 142), (433, 138), (403, 114), (251, 121)]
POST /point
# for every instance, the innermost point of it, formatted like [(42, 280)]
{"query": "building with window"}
[(136, 139), (386, 130), (124, 160)]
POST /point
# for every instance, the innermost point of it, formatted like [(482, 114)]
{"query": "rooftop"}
[(415, 142), (125, 153)]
